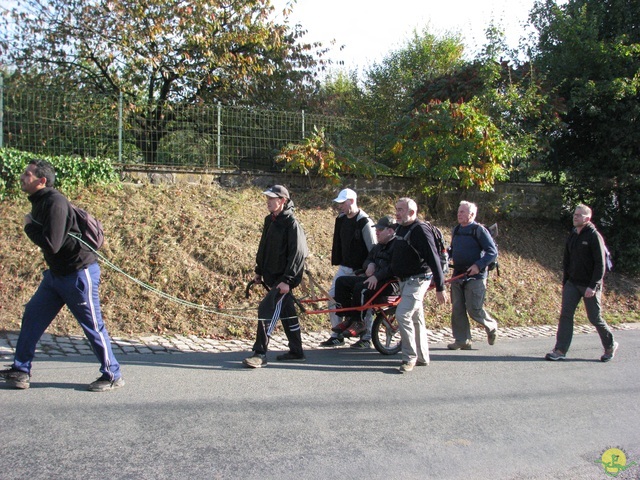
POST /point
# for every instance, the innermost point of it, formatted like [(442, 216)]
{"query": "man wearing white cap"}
[(353, 238)]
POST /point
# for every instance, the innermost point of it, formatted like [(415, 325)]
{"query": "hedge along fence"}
[(72, 172)]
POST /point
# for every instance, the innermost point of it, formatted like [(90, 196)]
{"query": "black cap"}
[(277, 191), (387, 221)]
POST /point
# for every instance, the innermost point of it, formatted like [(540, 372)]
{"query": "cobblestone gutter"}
[(63, 346)]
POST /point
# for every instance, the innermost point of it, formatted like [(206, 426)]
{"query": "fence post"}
[(219, 132), (303, 135), (120, 128)]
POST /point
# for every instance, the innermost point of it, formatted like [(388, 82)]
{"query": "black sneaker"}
[(257, 360), (361, 345), (104, 384), (332, 342), (292, 357), (16, 378)]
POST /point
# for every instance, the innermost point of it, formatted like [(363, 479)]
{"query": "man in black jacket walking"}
[(583, 271), (280, 264), (72, 280), (416, 262)]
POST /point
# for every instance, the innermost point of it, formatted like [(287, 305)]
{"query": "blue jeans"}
[(79, 292), (571, 296)]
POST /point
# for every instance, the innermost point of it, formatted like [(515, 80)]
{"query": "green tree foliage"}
[(451, 145), (511, 94), (340, 94), (389, 85), (590, 51), (161, 51)]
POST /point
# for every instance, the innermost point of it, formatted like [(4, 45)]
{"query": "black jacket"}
[(353, 238), (282, 250), (381, 255), (417, 256), (584, 259), (53, 220)]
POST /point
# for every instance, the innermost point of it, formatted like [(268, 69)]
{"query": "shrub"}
[(71, 172)]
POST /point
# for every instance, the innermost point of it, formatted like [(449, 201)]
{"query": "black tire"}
[(385, 332)]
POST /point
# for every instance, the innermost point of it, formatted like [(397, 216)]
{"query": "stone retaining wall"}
[(526, 200)]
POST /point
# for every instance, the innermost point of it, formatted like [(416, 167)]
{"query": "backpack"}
[(90, 227), (438, 237), (493, 231)]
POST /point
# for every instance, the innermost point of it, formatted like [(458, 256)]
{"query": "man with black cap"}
[(353, 239), (280, 265), (354, 291)]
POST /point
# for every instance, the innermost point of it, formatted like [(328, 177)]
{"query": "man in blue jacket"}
[(72, 280), (583, 268), (472, 250)]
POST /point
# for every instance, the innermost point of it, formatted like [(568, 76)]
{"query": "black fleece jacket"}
[(52, 220), (584, 259), (282, 250)]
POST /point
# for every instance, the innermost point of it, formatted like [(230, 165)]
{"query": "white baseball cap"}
[(345, 195)]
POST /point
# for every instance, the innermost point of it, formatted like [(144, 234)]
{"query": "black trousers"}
[(351, 292), (276, 306)]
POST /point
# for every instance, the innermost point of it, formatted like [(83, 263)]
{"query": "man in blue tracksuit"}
[(472, 250), (72, 280)]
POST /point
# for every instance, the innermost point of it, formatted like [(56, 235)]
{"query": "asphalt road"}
[(498, 412)]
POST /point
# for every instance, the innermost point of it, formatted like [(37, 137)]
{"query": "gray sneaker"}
[(16, 378), (104, 384), (406, 367), (609, 353), (492, 335), (459, 346), (257, 360), (555, 355)]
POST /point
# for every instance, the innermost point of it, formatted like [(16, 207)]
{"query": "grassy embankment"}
[(199, 243)]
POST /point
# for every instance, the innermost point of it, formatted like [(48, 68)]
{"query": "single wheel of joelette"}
[(385, 333)]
